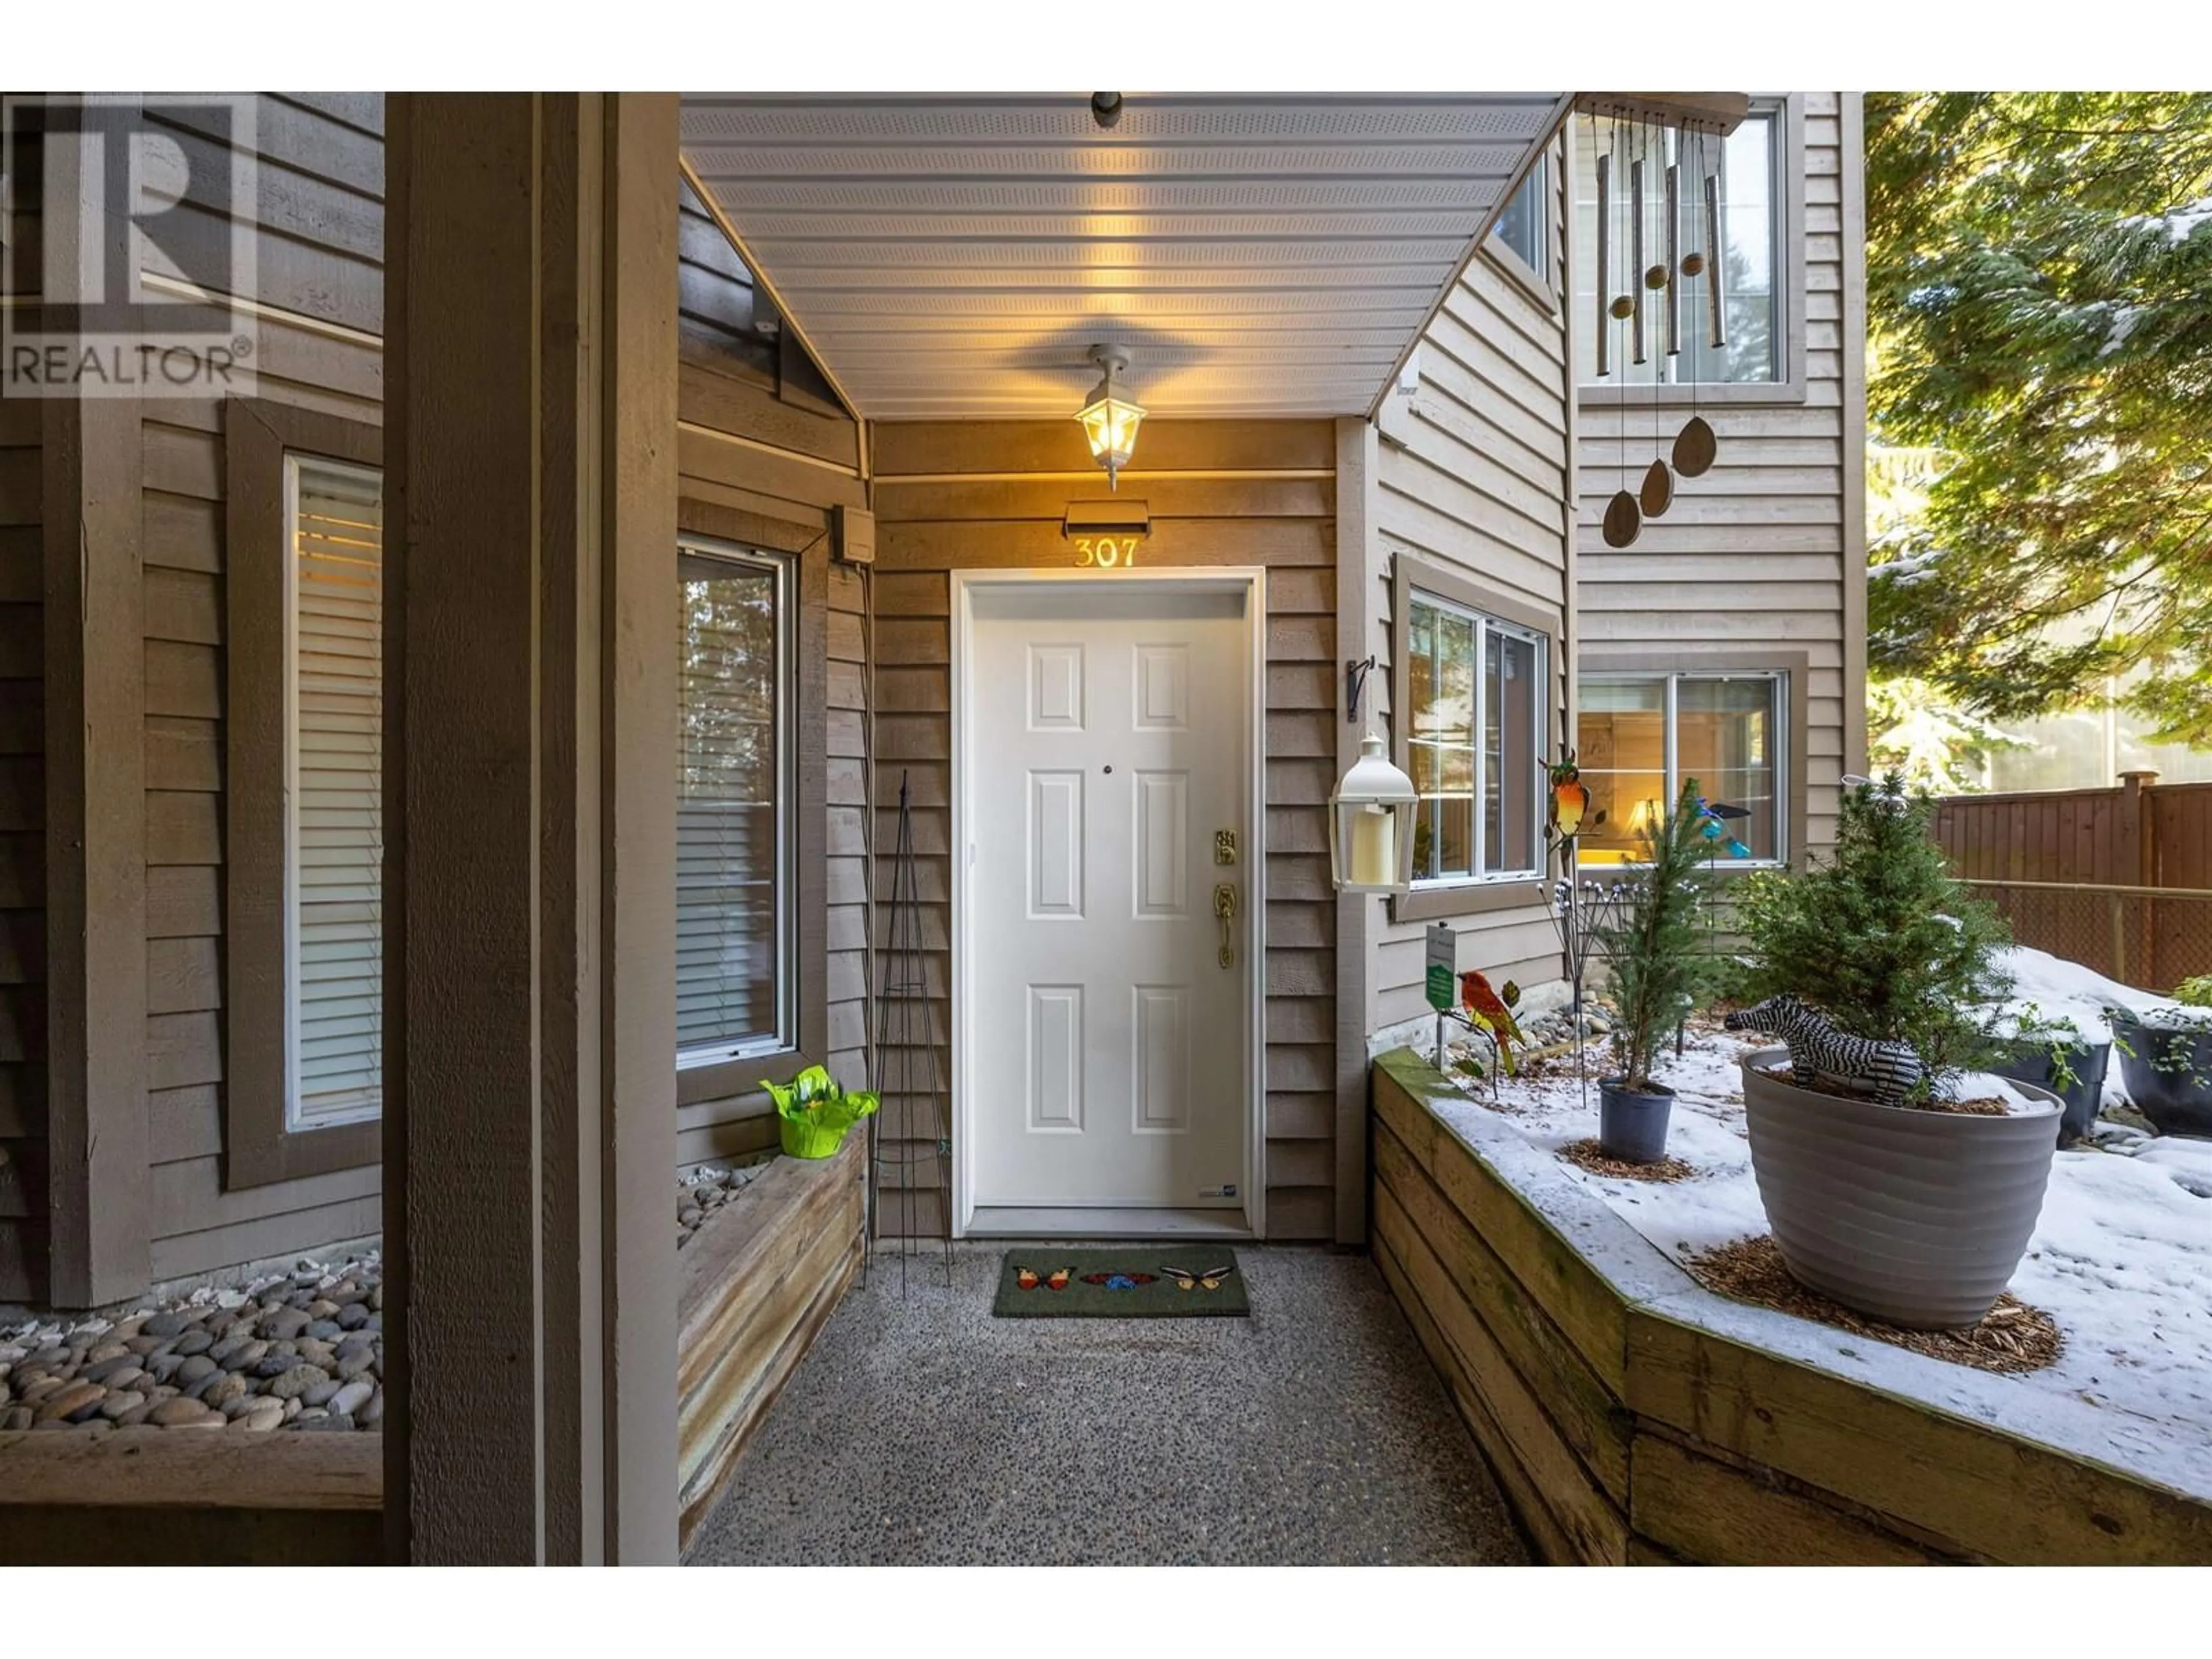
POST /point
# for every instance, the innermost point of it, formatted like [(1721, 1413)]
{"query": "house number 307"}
[(1105, 552)]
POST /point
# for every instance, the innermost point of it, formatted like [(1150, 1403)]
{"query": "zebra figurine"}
[(1818, 1051)]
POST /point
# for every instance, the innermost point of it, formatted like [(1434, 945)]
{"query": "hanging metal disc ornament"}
[(1695, 446), (1623, 519), (1658, 494)]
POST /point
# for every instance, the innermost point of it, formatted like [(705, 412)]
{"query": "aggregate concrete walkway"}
[(921, 1429)]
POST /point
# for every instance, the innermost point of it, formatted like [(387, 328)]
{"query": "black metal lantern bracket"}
[(1355, 682)]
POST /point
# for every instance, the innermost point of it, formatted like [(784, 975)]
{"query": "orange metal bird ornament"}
[(1570, 801)]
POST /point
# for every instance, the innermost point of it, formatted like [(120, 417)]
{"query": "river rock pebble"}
[(302, 1351), (297, 1351), (69, 1400), (350, 1398), (119, 1403), (703, 1191)]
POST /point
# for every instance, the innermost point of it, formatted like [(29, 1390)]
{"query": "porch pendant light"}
[(1109, 420), (1370, 843)]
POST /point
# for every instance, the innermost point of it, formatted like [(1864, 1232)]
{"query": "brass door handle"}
[(1225, 910)]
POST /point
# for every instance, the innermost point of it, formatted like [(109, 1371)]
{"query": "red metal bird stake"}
[(1495, 1012)]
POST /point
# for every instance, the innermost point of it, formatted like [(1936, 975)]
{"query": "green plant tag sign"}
[(1443, 963)]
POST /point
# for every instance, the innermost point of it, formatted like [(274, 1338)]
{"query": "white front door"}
[(1110, 1024)]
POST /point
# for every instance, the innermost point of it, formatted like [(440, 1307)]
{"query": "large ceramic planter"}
[(2031, 1062), (2168, 1076), (1916, 1218)]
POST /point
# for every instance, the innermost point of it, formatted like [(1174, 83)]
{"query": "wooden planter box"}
[(756, 1283), (755, 1286), (1631, 1416), (148, 1497)]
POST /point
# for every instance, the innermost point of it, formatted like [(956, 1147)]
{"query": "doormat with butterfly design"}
[(1133, 1281)]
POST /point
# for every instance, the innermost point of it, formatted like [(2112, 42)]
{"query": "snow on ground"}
[(2055, 990), (2121, 1257), (2066, 991)]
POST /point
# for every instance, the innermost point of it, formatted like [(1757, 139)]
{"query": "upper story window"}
[(1640, 737), (334, 799), (1749, 165), (1525, 227), (1475, 725), (735, 940)]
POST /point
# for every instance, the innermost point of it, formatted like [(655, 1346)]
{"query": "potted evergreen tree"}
[(1883, 1192), (1649, 934)]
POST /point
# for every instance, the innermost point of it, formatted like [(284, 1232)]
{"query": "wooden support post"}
[(95, 745), (529, 779), (1356, 487), (2138, 837), (2137, 859)]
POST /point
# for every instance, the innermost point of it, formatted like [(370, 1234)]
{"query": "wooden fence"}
[(2119, 879), (2137, 833)]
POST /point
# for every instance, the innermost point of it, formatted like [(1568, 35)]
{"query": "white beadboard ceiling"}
[(954, 257)]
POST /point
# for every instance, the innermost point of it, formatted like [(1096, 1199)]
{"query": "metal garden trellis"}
[(906, 1049)]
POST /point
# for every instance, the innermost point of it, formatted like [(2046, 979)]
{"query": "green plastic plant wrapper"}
[(815, 1113)]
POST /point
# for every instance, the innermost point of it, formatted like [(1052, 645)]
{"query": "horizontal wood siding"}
[(1474, 478), (22, 821), (785, 459), (1752, 556), (321, 232), (933, 519), (319, 242)]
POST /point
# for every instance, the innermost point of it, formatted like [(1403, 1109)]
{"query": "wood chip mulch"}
[(1584, 1154), (2012, 1337)]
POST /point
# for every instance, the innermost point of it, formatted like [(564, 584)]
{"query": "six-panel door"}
[(1108, 1026)]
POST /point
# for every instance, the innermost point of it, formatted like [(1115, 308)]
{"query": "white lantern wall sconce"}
[(1371, 841)]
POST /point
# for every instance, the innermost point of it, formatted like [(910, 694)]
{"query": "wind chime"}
[(1624, 302)]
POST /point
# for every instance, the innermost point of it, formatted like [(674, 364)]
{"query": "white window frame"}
[(1485, 624), (1537, 275), (1777, 682), (785, 1038), (293, 462)]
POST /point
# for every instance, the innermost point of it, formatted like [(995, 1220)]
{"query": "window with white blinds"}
[(334, 808), (733, 790)]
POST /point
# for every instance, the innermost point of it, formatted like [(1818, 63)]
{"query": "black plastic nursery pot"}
[(1631, 1123), (2034, 1062), (2167, 1072)]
